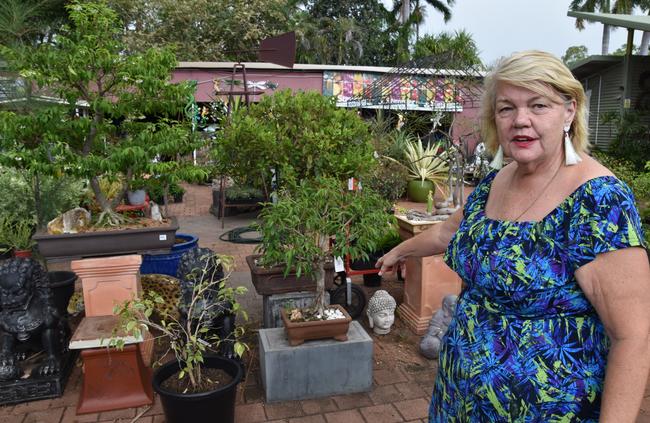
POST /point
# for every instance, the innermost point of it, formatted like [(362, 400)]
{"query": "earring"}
[(497, 162), (571, 157)]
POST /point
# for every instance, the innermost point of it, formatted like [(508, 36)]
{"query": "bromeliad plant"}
[(427, 163), (315, 221), (192, 338)]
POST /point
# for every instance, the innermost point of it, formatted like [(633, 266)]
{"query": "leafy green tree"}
[(202, 30), (119, 112), (623, 48), (347, 32), (603, 6), (574, 54), (30, 21), (460, 45)]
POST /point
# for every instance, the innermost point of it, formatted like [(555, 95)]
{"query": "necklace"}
[(538, 195)]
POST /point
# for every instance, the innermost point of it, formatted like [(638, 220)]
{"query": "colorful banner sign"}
[(405, 92)]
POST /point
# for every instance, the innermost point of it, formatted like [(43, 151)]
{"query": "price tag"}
[(338, 264), (162, 237)]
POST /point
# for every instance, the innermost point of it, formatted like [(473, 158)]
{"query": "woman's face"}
[(530, 126)]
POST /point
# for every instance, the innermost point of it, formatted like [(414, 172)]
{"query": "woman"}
[(553, 323)]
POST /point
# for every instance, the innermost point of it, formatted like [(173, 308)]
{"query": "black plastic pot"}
[(62, 284), (217, 405)]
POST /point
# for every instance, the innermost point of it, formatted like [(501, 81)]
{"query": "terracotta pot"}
[(299, 332), (23, 253)]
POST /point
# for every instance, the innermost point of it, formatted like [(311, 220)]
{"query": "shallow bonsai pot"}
[(271, 280), (215, 405), (299, 332), (105, 243)]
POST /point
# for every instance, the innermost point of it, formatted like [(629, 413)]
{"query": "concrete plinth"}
[(316, 368), (271, 305)]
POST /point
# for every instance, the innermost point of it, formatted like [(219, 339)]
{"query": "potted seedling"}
[(198, 382), (310, 224)]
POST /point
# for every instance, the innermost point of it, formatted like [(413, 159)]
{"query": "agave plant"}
[(430, 163)]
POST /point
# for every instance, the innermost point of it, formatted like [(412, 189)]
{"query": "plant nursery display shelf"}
[(105, 243)]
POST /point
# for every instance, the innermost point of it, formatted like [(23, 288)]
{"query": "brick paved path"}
[(401, 383)]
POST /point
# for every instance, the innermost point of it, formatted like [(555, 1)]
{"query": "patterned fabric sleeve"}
[(605, 219)]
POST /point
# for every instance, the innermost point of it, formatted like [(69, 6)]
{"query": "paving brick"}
[(388, 376), (159, 419), (44, 416), (384, 394), (11, 419), (385, 413), (283, 410), (316, 418), (6, 410), (413, 409), (345, 402), (250, 413), (347, 416), (411, 390), (70, 416), (127, 413), (153, 409), (318, 406), (253, 394), (28, 407)]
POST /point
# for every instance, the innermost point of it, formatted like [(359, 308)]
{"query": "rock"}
[(70, 222), (155, 212)]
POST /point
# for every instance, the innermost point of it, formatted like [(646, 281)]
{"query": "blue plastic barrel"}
[(167, 264)]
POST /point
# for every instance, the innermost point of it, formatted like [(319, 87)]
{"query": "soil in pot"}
[(211, 379)]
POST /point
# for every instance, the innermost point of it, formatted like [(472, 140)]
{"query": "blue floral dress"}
[(525, 344)]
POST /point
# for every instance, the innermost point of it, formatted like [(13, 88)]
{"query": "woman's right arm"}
[(432, 241)]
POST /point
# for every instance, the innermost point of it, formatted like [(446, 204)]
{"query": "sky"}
[(500, 27)]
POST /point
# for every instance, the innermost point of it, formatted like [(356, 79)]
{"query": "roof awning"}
[(640, 22)]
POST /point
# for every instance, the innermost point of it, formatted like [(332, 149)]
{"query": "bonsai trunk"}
[(319, 276)]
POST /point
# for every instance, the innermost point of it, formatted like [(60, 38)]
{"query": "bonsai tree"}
[(111, 113), (192, 338), (300, 136), (317, 220)]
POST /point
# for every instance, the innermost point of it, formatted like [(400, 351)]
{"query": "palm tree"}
[(603, 6), (410, 15)]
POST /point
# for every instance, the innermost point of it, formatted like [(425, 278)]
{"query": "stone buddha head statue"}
[(381, 312)]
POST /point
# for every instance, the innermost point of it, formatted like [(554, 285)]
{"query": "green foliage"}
[(459, 46), (16, 233), (191, 339), (243, 193), (297, 230), (575, 54), (632, 142), (40, 199), (201, 30), (134, 113), (388, 180), (302, 136)]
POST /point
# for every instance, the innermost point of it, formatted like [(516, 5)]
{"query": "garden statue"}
[(381, 312), (432, 340), (27, 311)]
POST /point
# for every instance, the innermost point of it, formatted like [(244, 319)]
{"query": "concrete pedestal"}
[(315, 368), (271, 305), (428, 281)]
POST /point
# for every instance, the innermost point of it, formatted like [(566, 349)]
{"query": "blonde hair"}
[(543, 74)]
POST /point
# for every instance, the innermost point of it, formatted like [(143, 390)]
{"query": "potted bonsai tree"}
[(118, 111), (315, 221), (198, 382)]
